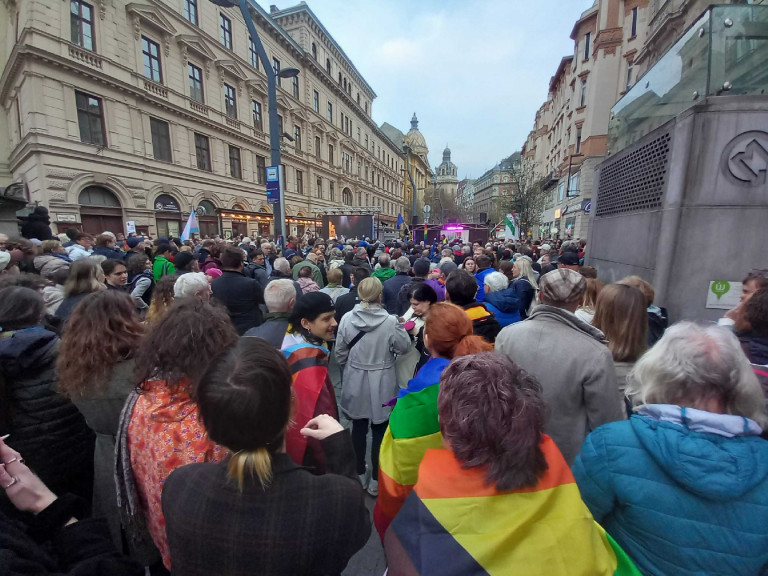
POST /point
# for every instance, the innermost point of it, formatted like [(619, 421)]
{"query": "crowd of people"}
[(169, 406)]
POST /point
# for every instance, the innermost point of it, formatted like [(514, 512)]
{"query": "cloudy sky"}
[(474, 71)]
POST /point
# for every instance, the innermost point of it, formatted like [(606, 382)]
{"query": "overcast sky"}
[(475, 72)]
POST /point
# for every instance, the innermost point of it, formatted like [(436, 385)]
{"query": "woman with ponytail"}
[(258, 512), (413, 425), (159, 427)]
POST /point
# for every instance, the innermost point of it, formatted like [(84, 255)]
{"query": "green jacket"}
[(383, 274), (162, 267), (317, 276)]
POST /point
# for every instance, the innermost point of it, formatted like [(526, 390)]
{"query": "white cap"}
[(246, 240), (545, 247)]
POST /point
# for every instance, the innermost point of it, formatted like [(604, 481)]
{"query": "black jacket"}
[(258, 272), (277, 275), (274, 328), (347, 270), (242, 296), (391, 291), (302, 524), (346, 302), (44, 426), (403, 302), (109, 253), (483, 322), (37, 228)]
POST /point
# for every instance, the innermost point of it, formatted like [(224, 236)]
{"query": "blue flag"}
[(400, 221)]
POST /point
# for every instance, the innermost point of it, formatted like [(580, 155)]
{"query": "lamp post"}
[(278, 210)]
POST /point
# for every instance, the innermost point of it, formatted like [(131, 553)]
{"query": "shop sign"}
[(66, 218), (586, 205), (166, 203)]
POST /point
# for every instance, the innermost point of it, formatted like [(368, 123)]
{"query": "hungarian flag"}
[(413, 429), (511, 229), (453, 522)]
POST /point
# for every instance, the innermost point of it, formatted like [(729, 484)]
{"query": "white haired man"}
[(280, 297)]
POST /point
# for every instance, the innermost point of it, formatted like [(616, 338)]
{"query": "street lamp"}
[(278, 210)]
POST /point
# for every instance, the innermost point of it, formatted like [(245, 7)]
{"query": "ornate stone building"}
[(142, 111), (491, 192)]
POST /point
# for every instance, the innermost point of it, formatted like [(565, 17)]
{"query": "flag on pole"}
[(400, 221), (511, 230), (192, 227)]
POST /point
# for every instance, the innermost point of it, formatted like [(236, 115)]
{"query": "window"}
[(225, 31), (190, 11), (366, 141), (330, 154), (561, 191), (299, 182), (339, 78), (358, 98), (203, 152), (151, 52), (587, 39), (280, 124), (347, 160), (573, 185), (235, 168), (330, 112), (161, 139), (276, 68), (195, 83), (253, 54), (366, 107), (261, 169), (314, 50), (81, 24), (634, 21), (316, 101), (630, 66), (295, 82), (297, 137), (578, 140), (90, 117), (583, 99), (319, 187), (257, 119), (328, 65), (358, 133), (317, 147), (331, 191), (230, 101)]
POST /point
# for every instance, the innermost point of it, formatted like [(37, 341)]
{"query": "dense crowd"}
[(168, 406)]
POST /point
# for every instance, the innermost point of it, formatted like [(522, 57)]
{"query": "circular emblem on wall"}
[(745, 159)]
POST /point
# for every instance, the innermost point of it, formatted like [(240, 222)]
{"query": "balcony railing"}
[(198, 107), (85, 56), (723, 53), (156, 89)]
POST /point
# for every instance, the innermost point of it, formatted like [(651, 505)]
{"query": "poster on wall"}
[(353, 226), (723, 294)]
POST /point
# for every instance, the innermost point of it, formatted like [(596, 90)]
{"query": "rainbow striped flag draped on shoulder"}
[(413, 429), (454, 523)]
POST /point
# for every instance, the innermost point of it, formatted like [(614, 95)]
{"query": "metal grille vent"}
[(635, 181)]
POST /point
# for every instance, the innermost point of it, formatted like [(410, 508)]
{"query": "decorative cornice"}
[(197, 45)]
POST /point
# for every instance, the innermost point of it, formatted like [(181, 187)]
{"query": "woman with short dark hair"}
[(279, 518), (499, 496), (159, 427)]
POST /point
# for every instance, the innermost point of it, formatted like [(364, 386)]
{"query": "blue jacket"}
[(505, 305), (684, 492), (480, 277)]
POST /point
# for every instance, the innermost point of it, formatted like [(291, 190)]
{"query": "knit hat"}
[(134, 241), (311, 305), (563, 286), (213, 272)]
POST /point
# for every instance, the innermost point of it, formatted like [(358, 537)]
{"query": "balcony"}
[(156, 89), (198, 107), (85, 56), (233, 122), (722, 54)]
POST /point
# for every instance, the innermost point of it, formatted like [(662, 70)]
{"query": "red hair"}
[(450, 332)]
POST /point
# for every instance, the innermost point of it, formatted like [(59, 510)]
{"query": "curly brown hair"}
[(181, 346), (162, 298), (102, 331)]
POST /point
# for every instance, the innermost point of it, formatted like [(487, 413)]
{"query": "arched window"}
[(314, 50), (98, 196), (206, 208), (339, 78), (238, 207), (345, 84), (346, 197), (328, 65)]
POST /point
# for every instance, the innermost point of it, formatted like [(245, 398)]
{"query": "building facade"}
[(491, 193), (140, 112)]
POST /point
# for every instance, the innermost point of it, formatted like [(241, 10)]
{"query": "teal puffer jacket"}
[(684, 492)]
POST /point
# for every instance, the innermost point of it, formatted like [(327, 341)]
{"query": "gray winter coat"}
[(574, 366), (370, 377)]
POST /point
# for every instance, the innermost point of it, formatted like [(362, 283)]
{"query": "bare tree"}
[(528, 198)]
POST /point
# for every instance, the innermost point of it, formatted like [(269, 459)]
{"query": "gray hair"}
[(110, 234), (278, 295), (190, 284), (692, 362), (446, 253), (569, 246), (384, 260), (466, 249), (496, 281), (282, 265), (361, 251), (402, 264)]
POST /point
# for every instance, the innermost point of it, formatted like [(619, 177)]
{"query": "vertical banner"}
[(192, 227)]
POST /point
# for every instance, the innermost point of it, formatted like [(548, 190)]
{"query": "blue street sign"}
[(273, 185)]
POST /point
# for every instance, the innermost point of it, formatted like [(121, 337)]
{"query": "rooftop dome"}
[(415, 139)]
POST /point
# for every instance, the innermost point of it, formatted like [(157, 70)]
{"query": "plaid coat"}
[(301, 524)]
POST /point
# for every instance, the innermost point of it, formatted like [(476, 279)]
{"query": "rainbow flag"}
[(453, 523), (413, 429)]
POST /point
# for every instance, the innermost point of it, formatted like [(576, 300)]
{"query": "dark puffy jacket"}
[(45, 427), (36, 227), (483, 322), (391, 291), (242, 296), (257, 272), (657, 324), (504, 305), (525, 293), (109, 253)]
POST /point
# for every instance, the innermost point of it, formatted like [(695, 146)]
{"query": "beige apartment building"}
[(570, 130), (116, 112), (491, 192)]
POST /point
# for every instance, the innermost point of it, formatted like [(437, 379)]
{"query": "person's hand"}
[(25, 490), (320, 427)]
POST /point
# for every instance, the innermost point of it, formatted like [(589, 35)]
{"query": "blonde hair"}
[(369, 291), (256, 462), (594, 287), (642, 285), (526, 271)]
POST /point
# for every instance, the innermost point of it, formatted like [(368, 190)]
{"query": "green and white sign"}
[(723, 294)]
